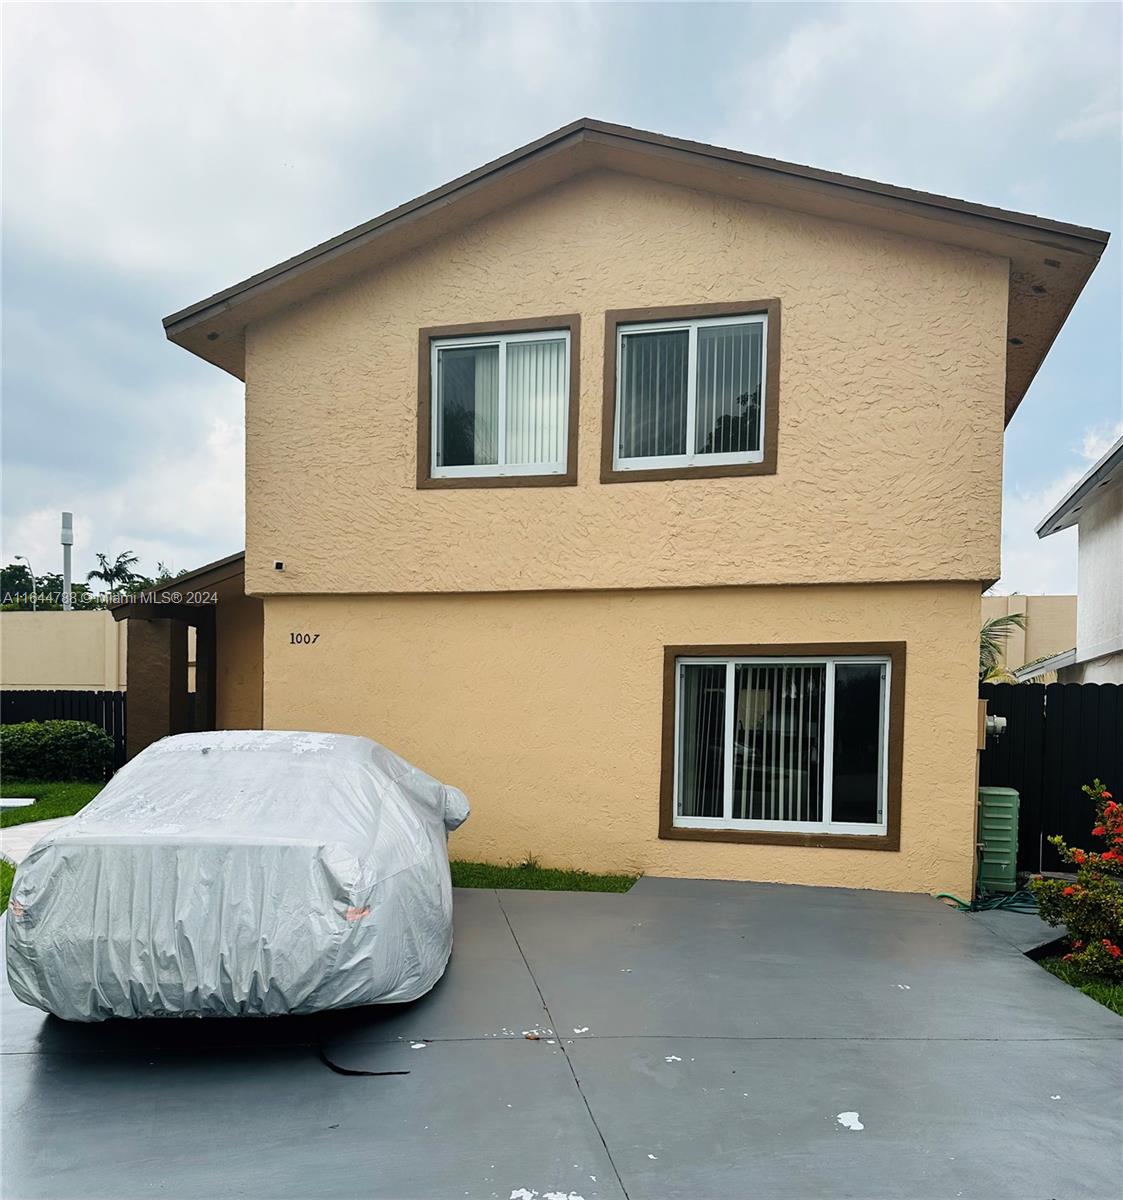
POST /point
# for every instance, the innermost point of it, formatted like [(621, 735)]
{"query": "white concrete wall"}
[(1099, 616)]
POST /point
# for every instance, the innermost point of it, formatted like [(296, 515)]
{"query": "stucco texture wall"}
[(76, 651), (891, 408), (1100, 565), (238, 685), (546, 710)]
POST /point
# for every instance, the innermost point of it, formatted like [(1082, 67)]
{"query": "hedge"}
[(55, 750)]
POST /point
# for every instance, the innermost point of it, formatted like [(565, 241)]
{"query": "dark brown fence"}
[(106, 709), (1058, 737)]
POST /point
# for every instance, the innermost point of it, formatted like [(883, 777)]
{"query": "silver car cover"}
[(240, 873)]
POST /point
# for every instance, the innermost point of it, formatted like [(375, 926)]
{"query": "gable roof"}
[(1109, 469), (1050, 261)]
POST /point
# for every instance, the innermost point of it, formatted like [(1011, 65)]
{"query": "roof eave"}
[(1064, 514), (213, 328)]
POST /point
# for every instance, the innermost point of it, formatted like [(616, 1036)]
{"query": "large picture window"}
[(782, 743), (497, 405), (691, 393)]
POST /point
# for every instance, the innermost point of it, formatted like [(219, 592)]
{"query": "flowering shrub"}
[(1092, 907)]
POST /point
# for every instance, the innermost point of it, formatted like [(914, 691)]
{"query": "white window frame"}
[(691, 458), (500, 468), (827, 825)]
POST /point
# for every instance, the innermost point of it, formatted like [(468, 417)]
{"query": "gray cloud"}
[(156, 153)]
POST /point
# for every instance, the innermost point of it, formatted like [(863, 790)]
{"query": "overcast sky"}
[(154, 154)]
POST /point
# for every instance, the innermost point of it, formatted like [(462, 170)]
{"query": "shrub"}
[(1092, 907), (55, 750)]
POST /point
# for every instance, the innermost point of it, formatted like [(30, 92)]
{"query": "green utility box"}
[(998, 839)]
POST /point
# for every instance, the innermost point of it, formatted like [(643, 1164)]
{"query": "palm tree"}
[(992, 645), (116, 575)]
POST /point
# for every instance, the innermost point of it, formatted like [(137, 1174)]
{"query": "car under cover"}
[(240, 873)]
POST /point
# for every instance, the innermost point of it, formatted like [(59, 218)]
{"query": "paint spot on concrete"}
[(417, 1046), (904, 987), (849, 1120), (1054, 1097), (673, 1058), (583, 1029), (653, 1157)]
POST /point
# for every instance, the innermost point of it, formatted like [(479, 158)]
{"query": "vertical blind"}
[(777, 753), (529, 403), (653, 374), (537, 397), (701, 756), (727, 408), (780, 742), (467, 408)]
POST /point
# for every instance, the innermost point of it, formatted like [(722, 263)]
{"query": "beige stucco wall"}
[(238, 628), (891, 400), (546, 709), (77, 651), (1050, 626)]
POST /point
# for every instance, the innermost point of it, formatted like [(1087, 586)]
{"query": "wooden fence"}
[(106, 709), (1058, 737)]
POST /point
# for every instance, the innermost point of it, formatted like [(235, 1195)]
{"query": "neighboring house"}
[(62, 651), (1095, 507), (1050, 626), (647, 491)]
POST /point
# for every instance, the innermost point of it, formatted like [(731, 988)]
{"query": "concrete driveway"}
[(696, 1040)]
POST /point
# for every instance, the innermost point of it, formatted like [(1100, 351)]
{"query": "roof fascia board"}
[(1057, 234), (411, 211), (215, 572), (1063, 516), (1053, 234)]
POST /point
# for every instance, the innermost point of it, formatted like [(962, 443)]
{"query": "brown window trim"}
[(571, 322), (890, 840), (635, 316)]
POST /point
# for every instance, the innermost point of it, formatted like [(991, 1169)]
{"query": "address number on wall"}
[(303, 639)]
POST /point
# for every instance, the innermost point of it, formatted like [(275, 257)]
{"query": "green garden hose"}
[(1020, 901)]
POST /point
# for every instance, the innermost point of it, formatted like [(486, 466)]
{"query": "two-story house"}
[(1094, 505), (647, 491)]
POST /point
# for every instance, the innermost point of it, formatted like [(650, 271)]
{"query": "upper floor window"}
[(502, 404), (693, 391)]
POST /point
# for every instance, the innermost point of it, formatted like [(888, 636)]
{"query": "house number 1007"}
[(303, 639)]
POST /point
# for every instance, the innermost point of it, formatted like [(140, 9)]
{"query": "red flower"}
[(1105, 795), (1112, 948), (1109, 854), (1069, 891), (1066, 958), (1098, 831)]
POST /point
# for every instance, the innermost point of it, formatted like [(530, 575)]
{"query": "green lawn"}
[(1110, 995), (53, 800), (7, 874), (535, 878), (65, 799)]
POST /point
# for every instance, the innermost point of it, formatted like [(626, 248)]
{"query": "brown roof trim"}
[(1049, 261), (333, 246), (214, 572), (855, 183), (588, 129)]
